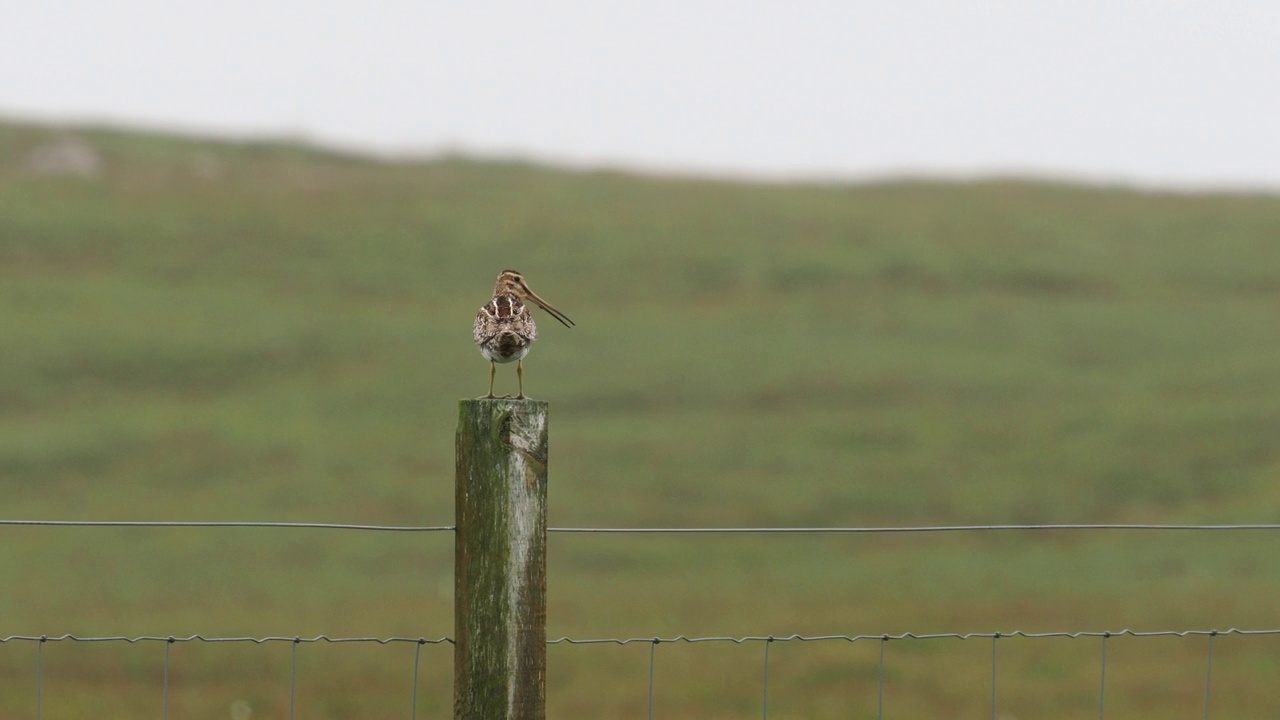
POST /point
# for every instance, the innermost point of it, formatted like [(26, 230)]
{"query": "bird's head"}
[(511, 282)]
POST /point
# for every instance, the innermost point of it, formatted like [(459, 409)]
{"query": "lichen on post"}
[(500, 560)]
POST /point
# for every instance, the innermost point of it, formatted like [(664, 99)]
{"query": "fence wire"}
[(1102, 678), (215, 639), (170, 640), (766, 640), (995, 637), (920, 528), (655, 640), (651, 530), (739, 640), (229, 523)]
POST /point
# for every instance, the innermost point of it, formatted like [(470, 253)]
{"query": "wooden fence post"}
[(500, 561)]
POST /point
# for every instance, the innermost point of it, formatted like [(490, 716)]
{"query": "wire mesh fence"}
[(882, 644), (877, 691)]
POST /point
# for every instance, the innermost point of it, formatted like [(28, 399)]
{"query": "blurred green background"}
[(199, 330)]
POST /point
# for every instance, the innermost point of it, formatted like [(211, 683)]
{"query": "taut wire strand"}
[(213, 639), (167, 645), (417, 653), (913, 636), (225, 524), (39, 676), (884, 640), (652, 649), (293, 674), (643, 530), (765, 681), (739, 640), (1208, 675), (1102, 679), (994, 639), (915, 528)]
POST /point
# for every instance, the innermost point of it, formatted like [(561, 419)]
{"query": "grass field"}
[(214, 331)]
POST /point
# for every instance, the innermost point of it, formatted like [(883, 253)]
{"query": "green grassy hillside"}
[(216, 331)]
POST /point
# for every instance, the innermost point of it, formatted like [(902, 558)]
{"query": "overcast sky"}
[(1164, 92)]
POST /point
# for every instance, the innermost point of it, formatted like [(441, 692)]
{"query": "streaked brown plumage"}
[(504, 330)]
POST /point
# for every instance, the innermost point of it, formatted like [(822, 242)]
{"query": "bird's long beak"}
[(547, 306)]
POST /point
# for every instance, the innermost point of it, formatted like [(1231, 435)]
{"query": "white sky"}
[(1162, 92)]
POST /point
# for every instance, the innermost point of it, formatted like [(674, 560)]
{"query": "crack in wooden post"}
[(500, 560)]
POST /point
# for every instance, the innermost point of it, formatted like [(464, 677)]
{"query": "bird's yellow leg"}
[(493, 371), (520, 378)]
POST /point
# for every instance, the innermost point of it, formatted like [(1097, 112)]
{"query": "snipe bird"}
[(504, 329)]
